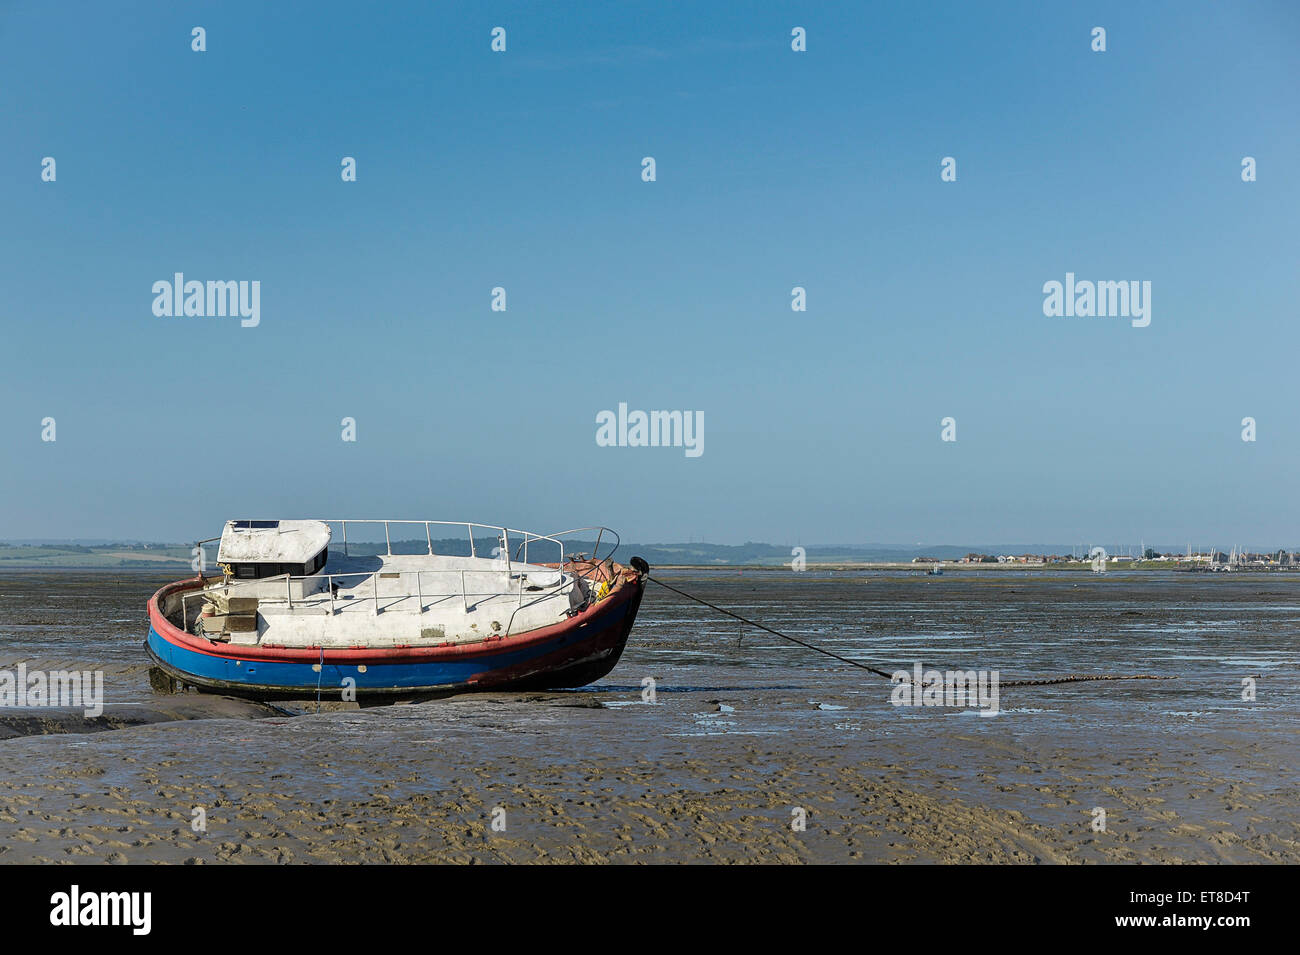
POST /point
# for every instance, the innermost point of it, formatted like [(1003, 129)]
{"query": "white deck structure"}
[(293, 542), (385, 599)]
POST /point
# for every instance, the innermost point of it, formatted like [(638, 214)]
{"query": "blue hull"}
[(573, 658)]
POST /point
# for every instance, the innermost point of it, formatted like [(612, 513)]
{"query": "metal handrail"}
[(503, 534), (375, 596), (600, 533), (595, 552)]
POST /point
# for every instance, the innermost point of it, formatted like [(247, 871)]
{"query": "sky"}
[(774, 168)]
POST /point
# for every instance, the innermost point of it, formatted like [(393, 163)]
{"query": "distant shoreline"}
[(920, 570), (959, 568), (145, 556)]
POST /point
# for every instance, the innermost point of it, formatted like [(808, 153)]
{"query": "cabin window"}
[(260, 571)]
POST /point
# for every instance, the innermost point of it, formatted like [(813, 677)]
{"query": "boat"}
[(294, 615)]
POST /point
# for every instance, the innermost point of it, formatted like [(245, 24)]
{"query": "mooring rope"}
[(783, 636), (1076, 678), (320, 675)]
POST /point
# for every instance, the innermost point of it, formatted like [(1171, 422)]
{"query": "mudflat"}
[(710, 742)]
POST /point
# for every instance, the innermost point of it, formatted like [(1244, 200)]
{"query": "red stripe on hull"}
[(628, 588)]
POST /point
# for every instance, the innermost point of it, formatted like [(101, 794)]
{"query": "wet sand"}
[(33, 721), (737, 739)]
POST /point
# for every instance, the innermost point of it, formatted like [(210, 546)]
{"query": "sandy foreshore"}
[(15, 721), (746, 734), (679, 781)]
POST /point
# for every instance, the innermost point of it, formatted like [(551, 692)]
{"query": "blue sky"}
[(522, 169)]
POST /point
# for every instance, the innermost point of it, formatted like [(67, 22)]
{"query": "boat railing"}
[(507, 565), (600, 532), (501, 533), (339, 592)]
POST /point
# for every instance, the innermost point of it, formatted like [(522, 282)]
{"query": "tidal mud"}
[(744, 737)]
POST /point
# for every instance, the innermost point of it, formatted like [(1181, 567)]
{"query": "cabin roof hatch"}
[(293, 542)]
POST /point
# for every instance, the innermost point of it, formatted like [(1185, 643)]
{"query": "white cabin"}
[(251, 550), (281, 586)]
